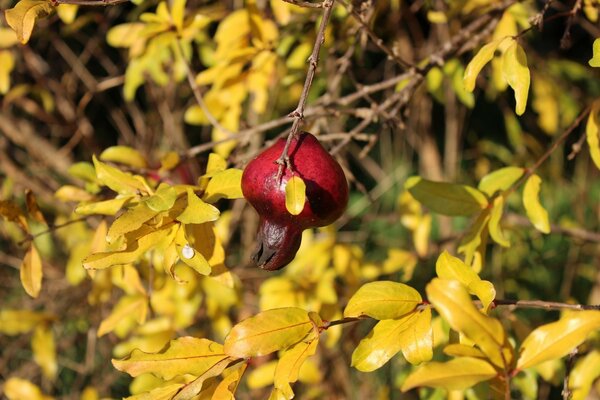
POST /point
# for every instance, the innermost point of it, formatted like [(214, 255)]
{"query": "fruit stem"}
[(298, 113)]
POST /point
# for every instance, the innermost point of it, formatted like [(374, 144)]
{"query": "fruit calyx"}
[(280, 233)]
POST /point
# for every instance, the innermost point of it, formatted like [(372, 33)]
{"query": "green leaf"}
[(557, 339), (383, 300), (592, 131), (124, 155), (410, 334), (185, 355), (451, 299), (534, 209), (516, 73), (494, 225), (449, 267), (500, 180), (446, 198), (458, 374), (117, 180), (483, 56), (24, 14), (295, 195), (267, 332), (197, 211), (595, 60), (584, 374), (224, 185), (163, 199)]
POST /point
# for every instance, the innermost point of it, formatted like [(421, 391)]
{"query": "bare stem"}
[(30, 237), (298, 113), (101, 3), (306, 4)]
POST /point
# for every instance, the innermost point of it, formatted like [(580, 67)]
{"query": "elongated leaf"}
[(295, 195), (500, 179), (463, 350), (197, 211), (289, 365), (494, 225), (557, 339), (128, 307), (165, 392), (473, 244), (446, 198), (592, 131), (124, 155), (72, 193), (185, 355), (129, 221), (193, 388), (189, 254), (534, 209), (44, 351), (452, 301), (224, 185), (33, 209), (24, 14), (449, 267), (411, 334), (16, 322), (7, 64), (458, 374), (163, 199), (21, 389), (383, 300), (516, 73), (106, 207), (584, 374), (228, 386), (595, 60), (117, 180), (31, 272), (483, 56), (268, 331)]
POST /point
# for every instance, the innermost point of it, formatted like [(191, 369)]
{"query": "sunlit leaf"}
[(584, 374), (124, 155), (457, 374), (72, 193), (295, 195), (163, 199), (117, 180), (500, 180), (592, 131), (536, 213), (557, 339), (226, 184), (67, 12), (128, 308), (8, 38), (31, 272), (129, 221), (516, 73), (452, 301), (125, 35), (463, 350), (169, 161), (23, 16), (197, 211), (185, 355), (7, 64), (15, 322), (166, 392), (44, 351), (106, 207), (595, 60), (483, 56), (22, 389), (474, 241), (494, 225), (290, 363), (189, 254), (446, 198), (383, 300), (410, 334), (228, 386), (195, 387), (267, 332)]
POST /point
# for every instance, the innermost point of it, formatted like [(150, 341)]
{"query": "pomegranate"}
[(279, 232)]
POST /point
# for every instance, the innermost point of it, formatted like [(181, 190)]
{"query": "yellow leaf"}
[(463, 350), (500, 180), (8, 38), (163, 199), (584, 374), (72, 193), (457, 374), (534, 209), (117, 180), (451, 299), (124, 155), (228, 386), (483, 56), (22, 389), (595, 60), (15, 322), (592, 131), (106, 207), (268, 331), (475, 240), (89, 393), (31, 272), (494, 225), (23, 15), (189, 255), (557, 339), (67, 12), (295, 195), (197, 211), (446, 198), (224, 185), (411, 334), (7, 64), (44, 351), (129, 308), (383, 300), (169, 161), (516, 73), (185, 355), (129, 221), (166, 392), (263, 375), (195, 387), (289, 365), (546, 104), (400, 260)]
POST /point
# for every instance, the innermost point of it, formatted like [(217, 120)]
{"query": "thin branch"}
[(30, 237), (306, 4), (101, 3), (298, 113)]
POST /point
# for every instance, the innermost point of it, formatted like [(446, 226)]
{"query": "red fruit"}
[(280, 232)]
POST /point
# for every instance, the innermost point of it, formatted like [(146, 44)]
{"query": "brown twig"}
[(298, 113), (30, 237), (306, 4), (102, 3)]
